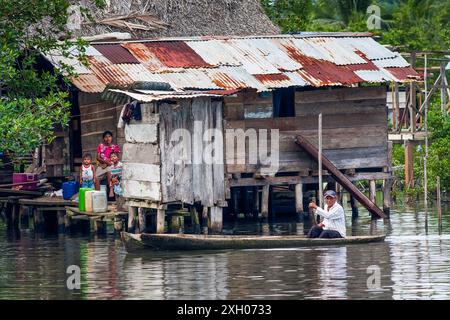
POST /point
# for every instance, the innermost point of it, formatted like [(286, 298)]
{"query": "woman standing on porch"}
[(104, 151)]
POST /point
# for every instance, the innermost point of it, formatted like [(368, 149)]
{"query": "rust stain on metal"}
[(369, 65), (142, 53), (404, 74), (88, 83), (223, 80), (115, 53), (269, 78), (177, 54), (321, 72), (107, 72)]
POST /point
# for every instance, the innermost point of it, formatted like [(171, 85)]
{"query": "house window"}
[(284, 103)]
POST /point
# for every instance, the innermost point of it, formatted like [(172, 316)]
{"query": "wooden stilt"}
[(247, 205), (194, 220), (142, 223), (160, 219), (61, 217), (372, 195), (409, 165), (438, 201), (355, 212), (174, 224), (100, 226), (38, 220), (235, 201), (24, 221), (255, 206), (67, 222), (205, 220), (118, 224), (132, 212), (299, 199), (265, 202), (372, 191), (387, 186), (216, 216), (16, 216)]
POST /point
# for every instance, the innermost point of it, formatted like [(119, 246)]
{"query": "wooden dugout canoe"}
[(222, 242)]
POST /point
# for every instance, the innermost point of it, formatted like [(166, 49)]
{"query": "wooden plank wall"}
[(190, 180), (354, 128), (98, 116), (141, 157)]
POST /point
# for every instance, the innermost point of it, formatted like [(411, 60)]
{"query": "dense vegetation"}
[(406, 24), (32, 101)]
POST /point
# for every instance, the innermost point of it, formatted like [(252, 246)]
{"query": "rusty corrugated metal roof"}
[(88, 83), (232, 63)]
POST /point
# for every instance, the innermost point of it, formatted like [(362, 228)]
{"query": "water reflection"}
[(413, 264)]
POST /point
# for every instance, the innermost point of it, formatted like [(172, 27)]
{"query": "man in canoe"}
[(333, 223)]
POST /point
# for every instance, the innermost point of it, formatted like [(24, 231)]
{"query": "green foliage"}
[(413, 24), (31, 100)]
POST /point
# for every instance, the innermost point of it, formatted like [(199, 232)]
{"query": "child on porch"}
[(114, 175), (88, 179)]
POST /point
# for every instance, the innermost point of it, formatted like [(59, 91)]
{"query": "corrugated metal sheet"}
[(188, 79), (396, 62), (88, 83), (115, 53), (233, 63), (372, 49), (150, 96), (176, 54), (403, 74)]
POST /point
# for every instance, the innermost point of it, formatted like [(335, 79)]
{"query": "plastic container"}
[(99, 201), (81, 198), (69, 188), (88, 201), (30, 181)]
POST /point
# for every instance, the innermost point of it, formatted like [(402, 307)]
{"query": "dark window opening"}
[(284, 103)]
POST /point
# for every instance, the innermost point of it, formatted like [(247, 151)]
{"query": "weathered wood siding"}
[(354, 129), (184, 175), (141, 177), (96, 117)]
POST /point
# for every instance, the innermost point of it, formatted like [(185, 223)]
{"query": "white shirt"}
[(333, 218)]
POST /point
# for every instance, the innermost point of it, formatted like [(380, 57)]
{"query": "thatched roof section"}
[(175, 18)]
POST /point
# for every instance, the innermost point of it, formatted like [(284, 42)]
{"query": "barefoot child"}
[(114, 175), (88, 178)]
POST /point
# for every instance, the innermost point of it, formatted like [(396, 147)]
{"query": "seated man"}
[(333, 224)]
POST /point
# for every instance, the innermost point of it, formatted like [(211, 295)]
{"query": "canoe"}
[(221, 242)]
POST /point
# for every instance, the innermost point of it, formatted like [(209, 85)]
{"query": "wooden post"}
[(235, 200), (205, 220), (15, 216), (100, 226), (372, 191), (141, 220), (320, 162), (118, 223), (412, 106), (299, 199), (67, 221), (409, 165), (396, 105), (38, 220), (174, 224), (438, 201), (425, 158), (216, 216), (61, 214), (255, 206), (339, 192), (24, 221), (195, 220), (387, 186), (265, 202), (132, 211), (355, 212), (246, 201), (443, 90), (160, 219)]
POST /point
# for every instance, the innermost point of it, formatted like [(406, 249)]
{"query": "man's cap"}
[(330, 193)]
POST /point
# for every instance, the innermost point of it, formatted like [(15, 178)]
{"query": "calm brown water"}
[(414, 263)]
